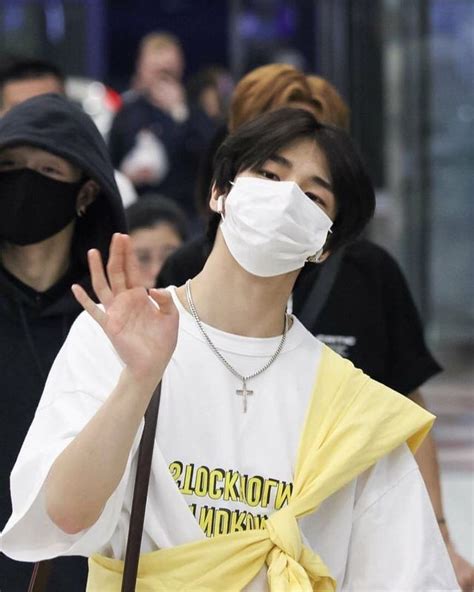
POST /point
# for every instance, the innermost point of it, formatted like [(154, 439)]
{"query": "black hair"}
[(206, 172), (13, 68), (252, 144), (152, 209)]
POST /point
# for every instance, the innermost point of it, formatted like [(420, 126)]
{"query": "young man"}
[(23, 78), (58, 198), (260, 424), (369, 315)]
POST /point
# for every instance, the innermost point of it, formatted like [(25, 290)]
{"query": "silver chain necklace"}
[(244, 392)]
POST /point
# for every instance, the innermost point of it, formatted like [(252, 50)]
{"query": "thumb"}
[(164, 300)]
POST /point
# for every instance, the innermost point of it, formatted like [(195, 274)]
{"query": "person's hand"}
[(463, 569), (143, 334), (168, 94), (140, 176)]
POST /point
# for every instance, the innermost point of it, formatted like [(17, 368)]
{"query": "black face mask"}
[(34, 207)]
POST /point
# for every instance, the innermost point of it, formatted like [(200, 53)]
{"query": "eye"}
[(316, 199), (49, 170), (266, 174)]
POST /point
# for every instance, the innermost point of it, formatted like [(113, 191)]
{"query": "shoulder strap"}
[(42, 569), (322, 286), (40, 576), (140, 492)]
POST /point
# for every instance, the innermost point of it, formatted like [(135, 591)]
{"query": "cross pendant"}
[(244, 392)]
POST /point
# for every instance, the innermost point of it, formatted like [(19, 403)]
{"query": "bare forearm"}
[(88, 471), (427, 460)]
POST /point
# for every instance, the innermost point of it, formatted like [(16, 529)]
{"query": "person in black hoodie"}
[(58, 199)]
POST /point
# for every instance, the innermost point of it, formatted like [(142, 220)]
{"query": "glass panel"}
[(429, 153), (452, 169)]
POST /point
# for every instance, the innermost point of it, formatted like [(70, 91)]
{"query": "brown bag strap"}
[(145, 455), (42, 569), (39, 577)]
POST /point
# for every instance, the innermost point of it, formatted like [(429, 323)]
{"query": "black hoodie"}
[(34, 325)]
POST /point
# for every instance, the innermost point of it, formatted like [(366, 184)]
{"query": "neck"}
[(40, 265), (234, 301)]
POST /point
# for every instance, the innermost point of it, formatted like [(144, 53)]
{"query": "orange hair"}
[(267, 88), (330, 106)]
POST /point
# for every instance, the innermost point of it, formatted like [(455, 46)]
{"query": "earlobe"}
[(217, 204), (216, 201), (220, 204), (86, 196)]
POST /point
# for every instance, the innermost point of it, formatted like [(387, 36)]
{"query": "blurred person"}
[(160, 55), (156, 137), (330, 106), (313, 457), (267, 88), (126, 189), (211, 89), (369, 316), (157, 227), (58, 198), (23, 77)]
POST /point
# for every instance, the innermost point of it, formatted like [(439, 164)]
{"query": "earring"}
[(80, 211)]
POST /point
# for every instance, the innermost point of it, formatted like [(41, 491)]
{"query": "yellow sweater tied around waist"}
[(351, 423)]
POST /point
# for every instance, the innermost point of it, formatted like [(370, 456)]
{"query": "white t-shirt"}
[(230, 468)]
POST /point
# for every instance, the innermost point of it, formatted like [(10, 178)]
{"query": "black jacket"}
[(34, 325)]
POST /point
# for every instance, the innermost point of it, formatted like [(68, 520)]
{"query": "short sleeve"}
[(395, 541), (85, 371), (409, 361)]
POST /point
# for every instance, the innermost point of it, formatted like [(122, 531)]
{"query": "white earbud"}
[(315, 258), (220, 204)]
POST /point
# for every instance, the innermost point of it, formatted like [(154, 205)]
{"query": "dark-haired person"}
[(58, 198), (22, 78), (266, 437), (157, 227)]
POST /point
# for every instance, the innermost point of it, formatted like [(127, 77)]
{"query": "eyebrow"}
[(286, 163)]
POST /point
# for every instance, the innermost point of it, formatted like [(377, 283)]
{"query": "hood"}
[(53, 123)]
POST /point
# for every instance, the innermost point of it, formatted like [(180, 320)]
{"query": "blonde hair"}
[(155, 41), (267, 88), (330, 106)]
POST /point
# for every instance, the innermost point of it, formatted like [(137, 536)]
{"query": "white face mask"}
[(272, 227)]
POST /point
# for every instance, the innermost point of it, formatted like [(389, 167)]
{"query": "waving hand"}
[(143, 334)]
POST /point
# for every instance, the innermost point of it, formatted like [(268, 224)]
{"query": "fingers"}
[(122, 270), (116, 264), (164, 300), (89, 305), (132, 270), (99, 281)]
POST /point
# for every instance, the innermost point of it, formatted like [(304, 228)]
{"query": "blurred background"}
[(405, 67)]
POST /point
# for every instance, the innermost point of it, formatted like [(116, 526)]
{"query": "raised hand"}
[(143, 334)]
